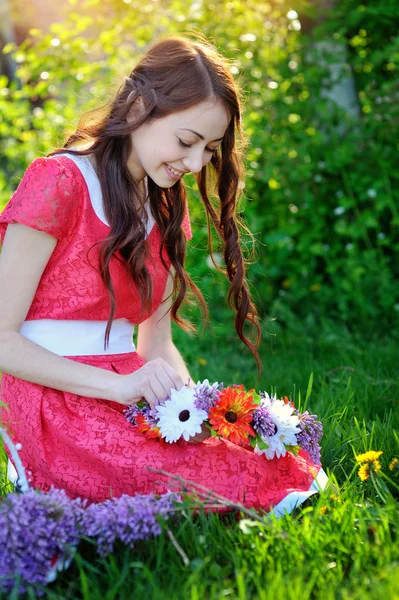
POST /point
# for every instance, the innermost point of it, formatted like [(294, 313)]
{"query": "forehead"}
[(210, 119)]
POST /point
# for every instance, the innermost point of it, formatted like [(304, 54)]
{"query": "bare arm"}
[(155, 341), (23, 259), (155, 335)]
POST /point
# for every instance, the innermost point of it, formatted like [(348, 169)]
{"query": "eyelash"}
[(189, 146)]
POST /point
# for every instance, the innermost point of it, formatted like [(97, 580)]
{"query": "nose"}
[(195, 161)]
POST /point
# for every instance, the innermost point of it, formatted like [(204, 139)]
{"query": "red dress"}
[(85, 445)]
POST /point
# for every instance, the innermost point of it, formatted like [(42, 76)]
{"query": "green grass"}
[(336, 546)]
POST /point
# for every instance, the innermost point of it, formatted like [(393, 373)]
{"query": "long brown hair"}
[(175, 74)]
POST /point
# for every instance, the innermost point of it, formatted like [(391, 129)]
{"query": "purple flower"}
[(205, 394), (263, 422), (146, 410), (128, 519), (310, 434), (38, 535)]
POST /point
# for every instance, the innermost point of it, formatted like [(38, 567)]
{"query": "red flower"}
[(232, 414), (150, 431)]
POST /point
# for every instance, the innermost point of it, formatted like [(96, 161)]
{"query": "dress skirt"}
[(88, 448)]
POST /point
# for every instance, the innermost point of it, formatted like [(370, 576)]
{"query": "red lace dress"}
[(85, 445)]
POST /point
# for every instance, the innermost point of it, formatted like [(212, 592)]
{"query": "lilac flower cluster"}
[(310, 434), (263, 422), (38, 533), (150, 415), (206, 395), (128, 519)]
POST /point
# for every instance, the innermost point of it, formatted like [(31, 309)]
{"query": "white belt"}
[(80, 338)]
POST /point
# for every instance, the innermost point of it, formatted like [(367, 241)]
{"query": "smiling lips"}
[(175, 171)]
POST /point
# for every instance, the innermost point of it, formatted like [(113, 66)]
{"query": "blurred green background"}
[(321, 114)]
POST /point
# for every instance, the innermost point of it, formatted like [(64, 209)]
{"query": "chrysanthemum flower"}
[(232, 414), (149, 430), (179, 417), (369, 463), (286, 428)]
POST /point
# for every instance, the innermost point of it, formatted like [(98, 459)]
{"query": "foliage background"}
[(321, 198), (321, 192)]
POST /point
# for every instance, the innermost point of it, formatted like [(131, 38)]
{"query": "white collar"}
[(95, 193)]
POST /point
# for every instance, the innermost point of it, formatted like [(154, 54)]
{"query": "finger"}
[(176, 380), (157, 390)]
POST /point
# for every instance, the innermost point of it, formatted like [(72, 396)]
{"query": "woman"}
[(94, 243)]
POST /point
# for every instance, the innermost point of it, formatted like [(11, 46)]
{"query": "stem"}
[(390, 481), (180, 550), (22, 481), (376, 487)]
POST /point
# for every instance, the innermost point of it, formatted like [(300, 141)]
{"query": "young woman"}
[(94, 243)]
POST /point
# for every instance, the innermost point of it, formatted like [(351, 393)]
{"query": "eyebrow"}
[(199, 135)]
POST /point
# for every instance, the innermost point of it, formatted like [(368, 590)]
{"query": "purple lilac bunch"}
[(310, 434), (205, 394), (263, 421), (144, 409), (128, 519), (39, 534)]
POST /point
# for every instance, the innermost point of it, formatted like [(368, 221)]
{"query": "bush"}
[(321, 194)]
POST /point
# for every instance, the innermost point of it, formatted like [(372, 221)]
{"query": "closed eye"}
[(189, 146)]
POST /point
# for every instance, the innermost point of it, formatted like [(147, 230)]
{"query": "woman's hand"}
[(200, 437), (152, 382)]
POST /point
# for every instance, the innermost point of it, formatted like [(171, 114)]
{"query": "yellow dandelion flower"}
[(335, 498), (364, 472), (394, 464), (368, 467), (323, 509), (369, 456)]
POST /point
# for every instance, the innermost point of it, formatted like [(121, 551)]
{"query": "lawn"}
[(338, 545)]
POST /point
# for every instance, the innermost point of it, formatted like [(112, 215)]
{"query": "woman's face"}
[(182, 141)]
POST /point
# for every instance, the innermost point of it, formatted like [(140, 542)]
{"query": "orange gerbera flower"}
[(232, 414), (150, 431)]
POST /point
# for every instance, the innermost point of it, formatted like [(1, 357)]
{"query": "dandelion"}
[(323, 509), (394, 464), (369, 464), (369, 456)]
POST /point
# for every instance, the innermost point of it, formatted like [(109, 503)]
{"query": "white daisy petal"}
[(179, 417), (286, 425)]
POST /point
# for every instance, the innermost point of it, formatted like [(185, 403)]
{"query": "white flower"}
[(179, 416), (286, 428)]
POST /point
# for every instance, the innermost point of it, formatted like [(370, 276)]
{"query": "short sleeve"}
[(186, 224), (43, 200)]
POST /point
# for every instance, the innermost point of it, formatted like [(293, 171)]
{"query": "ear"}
[(136, 110)]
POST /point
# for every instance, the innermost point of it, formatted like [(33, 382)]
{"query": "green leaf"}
[(261, 444), (256, 398), (308, 391), (293, 449), (252, 441)]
